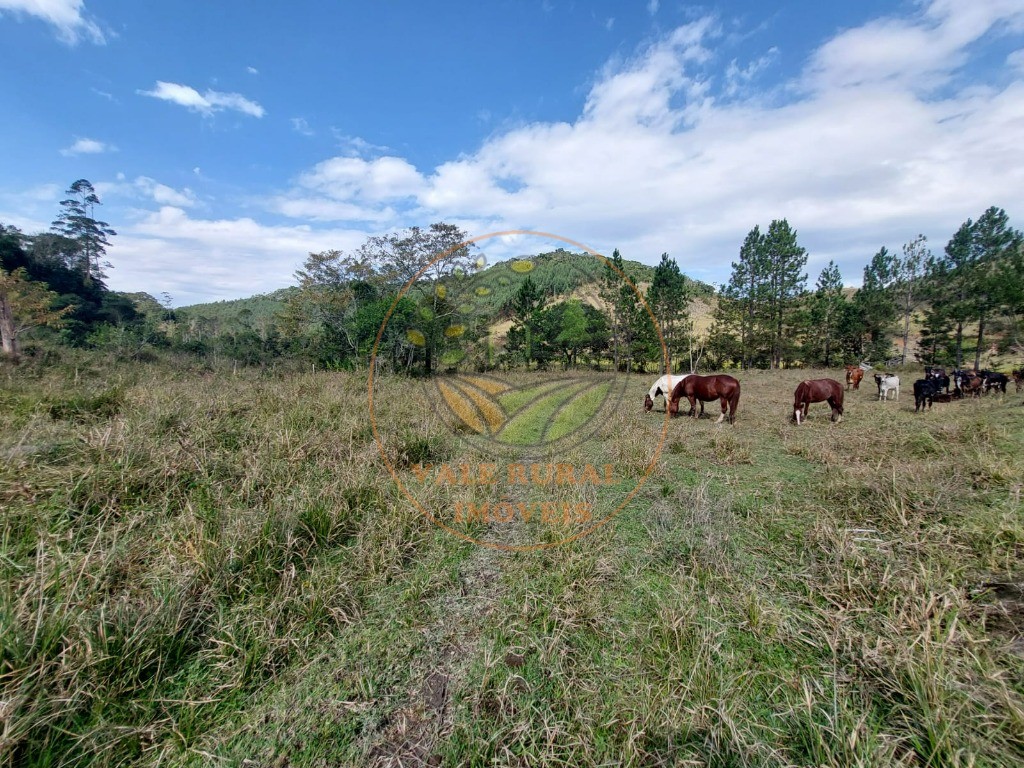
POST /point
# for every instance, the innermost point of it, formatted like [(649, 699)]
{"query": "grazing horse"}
[(887, 382), (854, 374), (662, 386), (705, 389), (818, 391)]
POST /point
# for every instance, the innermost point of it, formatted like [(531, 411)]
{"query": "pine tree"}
[(77, 223), (908, 275), (668, 298), (875, 305), (741, 306), (526, 305), (826, 313), (993, 242), (621, 304), (785, 260)]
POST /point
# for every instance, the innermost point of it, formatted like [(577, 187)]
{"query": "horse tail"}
[(734, 401)]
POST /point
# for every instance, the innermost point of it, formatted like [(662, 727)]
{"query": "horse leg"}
[(725, 407), (832, 405)]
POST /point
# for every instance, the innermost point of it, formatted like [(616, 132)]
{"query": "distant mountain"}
[(558, 275), (260, 306)]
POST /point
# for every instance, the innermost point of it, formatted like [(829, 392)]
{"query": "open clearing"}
[(202, 568)]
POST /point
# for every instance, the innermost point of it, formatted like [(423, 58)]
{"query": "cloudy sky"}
[(229, 139)]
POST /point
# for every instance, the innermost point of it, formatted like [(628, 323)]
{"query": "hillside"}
[(263, 305), (559, 274)]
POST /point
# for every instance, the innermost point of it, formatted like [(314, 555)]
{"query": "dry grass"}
[(204, 568)]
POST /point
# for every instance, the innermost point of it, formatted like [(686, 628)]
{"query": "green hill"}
[(557, 274), (260, 306)]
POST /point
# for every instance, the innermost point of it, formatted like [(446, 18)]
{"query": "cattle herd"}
[(934, 387)]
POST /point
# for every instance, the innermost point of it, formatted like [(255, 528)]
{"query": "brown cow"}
[(854, 374)]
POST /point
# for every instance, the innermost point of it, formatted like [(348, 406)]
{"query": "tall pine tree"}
[(826, 314), (77, 223), (668, 297)]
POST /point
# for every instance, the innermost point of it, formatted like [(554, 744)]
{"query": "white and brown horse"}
[(663, 387)]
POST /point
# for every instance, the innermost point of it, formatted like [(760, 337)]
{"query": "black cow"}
[(996, 381), (938, 375), (924, 391)]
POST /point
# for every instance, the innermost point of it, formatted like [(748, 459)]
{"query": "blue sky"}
[(229, 139)]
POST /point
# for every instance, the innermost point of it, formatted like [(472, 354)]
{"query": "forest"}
[(958, 305)]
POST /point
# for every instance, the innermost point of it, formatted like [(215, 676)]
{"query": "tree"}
[(875, 305), (344, 299), (77, 223), (785, 261), (620, 299), (761, 303), (741, 304), (24, 304), (826, 313), (333, 286), (668, 297), (950, 283), (993, 242), (525, 306), (433, 265), (908, 274)]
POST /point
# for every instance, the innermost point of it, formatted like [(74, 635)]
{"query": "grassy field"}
[(201, 568)]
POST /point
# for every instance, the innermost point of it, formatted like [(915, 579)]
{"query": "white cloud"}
[(672, 151), (652, 7), (204, 103), (163, 194), (353, 178), (67, 16), (252, 70), (667, 156), (300, 125), (738, 79), (356, 146), (211, 259), (145, 189), (918, 52), (87, 147)]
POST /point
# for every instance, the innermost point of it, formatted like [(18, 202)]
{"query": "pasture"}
[(201, 568)]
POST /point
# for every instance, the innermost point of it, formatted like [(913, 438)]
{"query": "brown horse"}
[(854, 374), (705, 389), (818, 391)]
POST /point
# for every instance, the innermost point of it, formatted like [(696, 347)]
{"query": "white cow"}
[(663, 387), (887, 382)]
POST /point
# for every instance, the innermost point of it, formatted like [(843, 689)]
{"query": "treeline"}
[(767, 318), (56, 279), (426, 302)]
